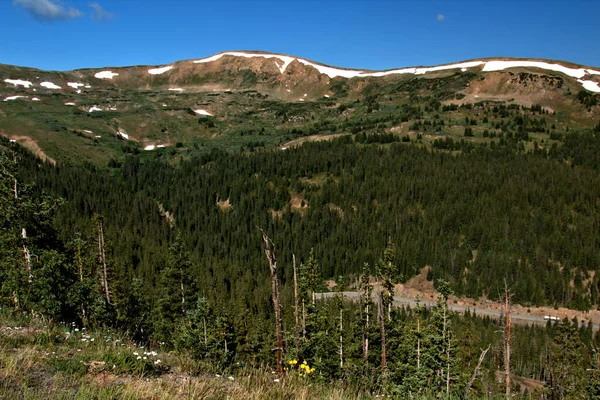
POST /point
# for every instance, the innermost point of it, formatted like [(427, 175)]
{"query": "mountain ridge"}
[(267, 99), (484, 59)]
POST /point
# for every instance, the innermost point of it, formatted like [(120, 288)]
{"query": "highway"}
[(523, 319)]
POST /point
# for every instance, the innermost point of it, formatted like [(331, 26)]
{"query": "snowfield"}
[(35, 99), (158, 71), (150, 147), (286, 60), (203, 112), (14, 98), (572, 72), (590, 85), (123, 135), (75, 85), (176, 89), (488, 66), (72, 104), (106, 75), (94, 108), (19, 82), (50, 85)]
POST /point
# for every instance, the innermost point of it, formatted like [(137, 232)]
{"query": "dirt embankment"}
[(30, 145)]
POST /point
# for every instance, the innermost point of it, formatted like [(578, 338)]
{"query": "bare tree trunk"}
[(341, 336), (296, 306), (476, 372), (102, 257), (182, 292), (446, 338), (418, 343), (303, 320), (80, 264), (448, 368), (27, 255), (270, 253), (507, 296), (383, 344), (367, 338)]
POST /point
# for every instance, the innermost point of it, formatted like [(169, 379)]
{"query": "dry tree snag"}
[(270, 253), (296, 305), (102, 260), (477, 371), (507, 306)]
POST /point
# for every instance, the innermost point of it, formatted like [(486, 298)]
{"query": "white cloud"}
[(441, 17), (99, 12), (48, 10)]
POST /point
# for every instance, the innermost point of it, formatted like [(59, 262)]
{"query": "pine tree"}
[(566, 362), (176, 289)]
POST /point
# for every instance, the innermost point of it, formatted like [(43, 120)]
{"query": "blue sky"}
[(372, 34)]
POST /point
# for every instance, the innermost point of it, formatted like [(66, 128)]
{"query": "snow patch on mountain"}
[(75, 85), (286, 60), (123, 135), (105, 75), (94, 108), (150, 147), (331, 71), (158, 71), (590, 85), (19, 82), (10, 98), (35, 99), (203, 112), (50, 85), (176, 89), (488, 66), (572, 72)]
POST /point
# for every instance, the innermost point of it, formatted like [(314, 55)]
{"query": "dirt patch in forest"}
[(32, 146), (297, 203), (224, 205), (311, 138)]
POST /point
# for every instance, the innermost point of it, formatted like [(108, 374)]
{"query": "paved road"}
[(524, 319)]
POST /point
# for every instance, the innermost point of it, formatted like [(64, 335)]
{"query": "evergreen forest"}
[(176, 255)]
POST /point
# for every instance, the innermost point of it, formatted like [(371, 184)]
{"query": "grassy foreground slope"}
[(60, 362)]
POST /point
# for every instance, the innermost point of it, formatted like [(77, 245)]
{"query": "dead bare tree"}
[(418, 311), (297, 337), (79, 259), (507, 306), (477, 371), (270, 253), (365, 289), (102, 260), (26, 253), (382, 321)]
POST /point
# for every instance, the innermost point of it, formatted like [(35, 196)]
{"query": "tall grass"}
[(60, 362)]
